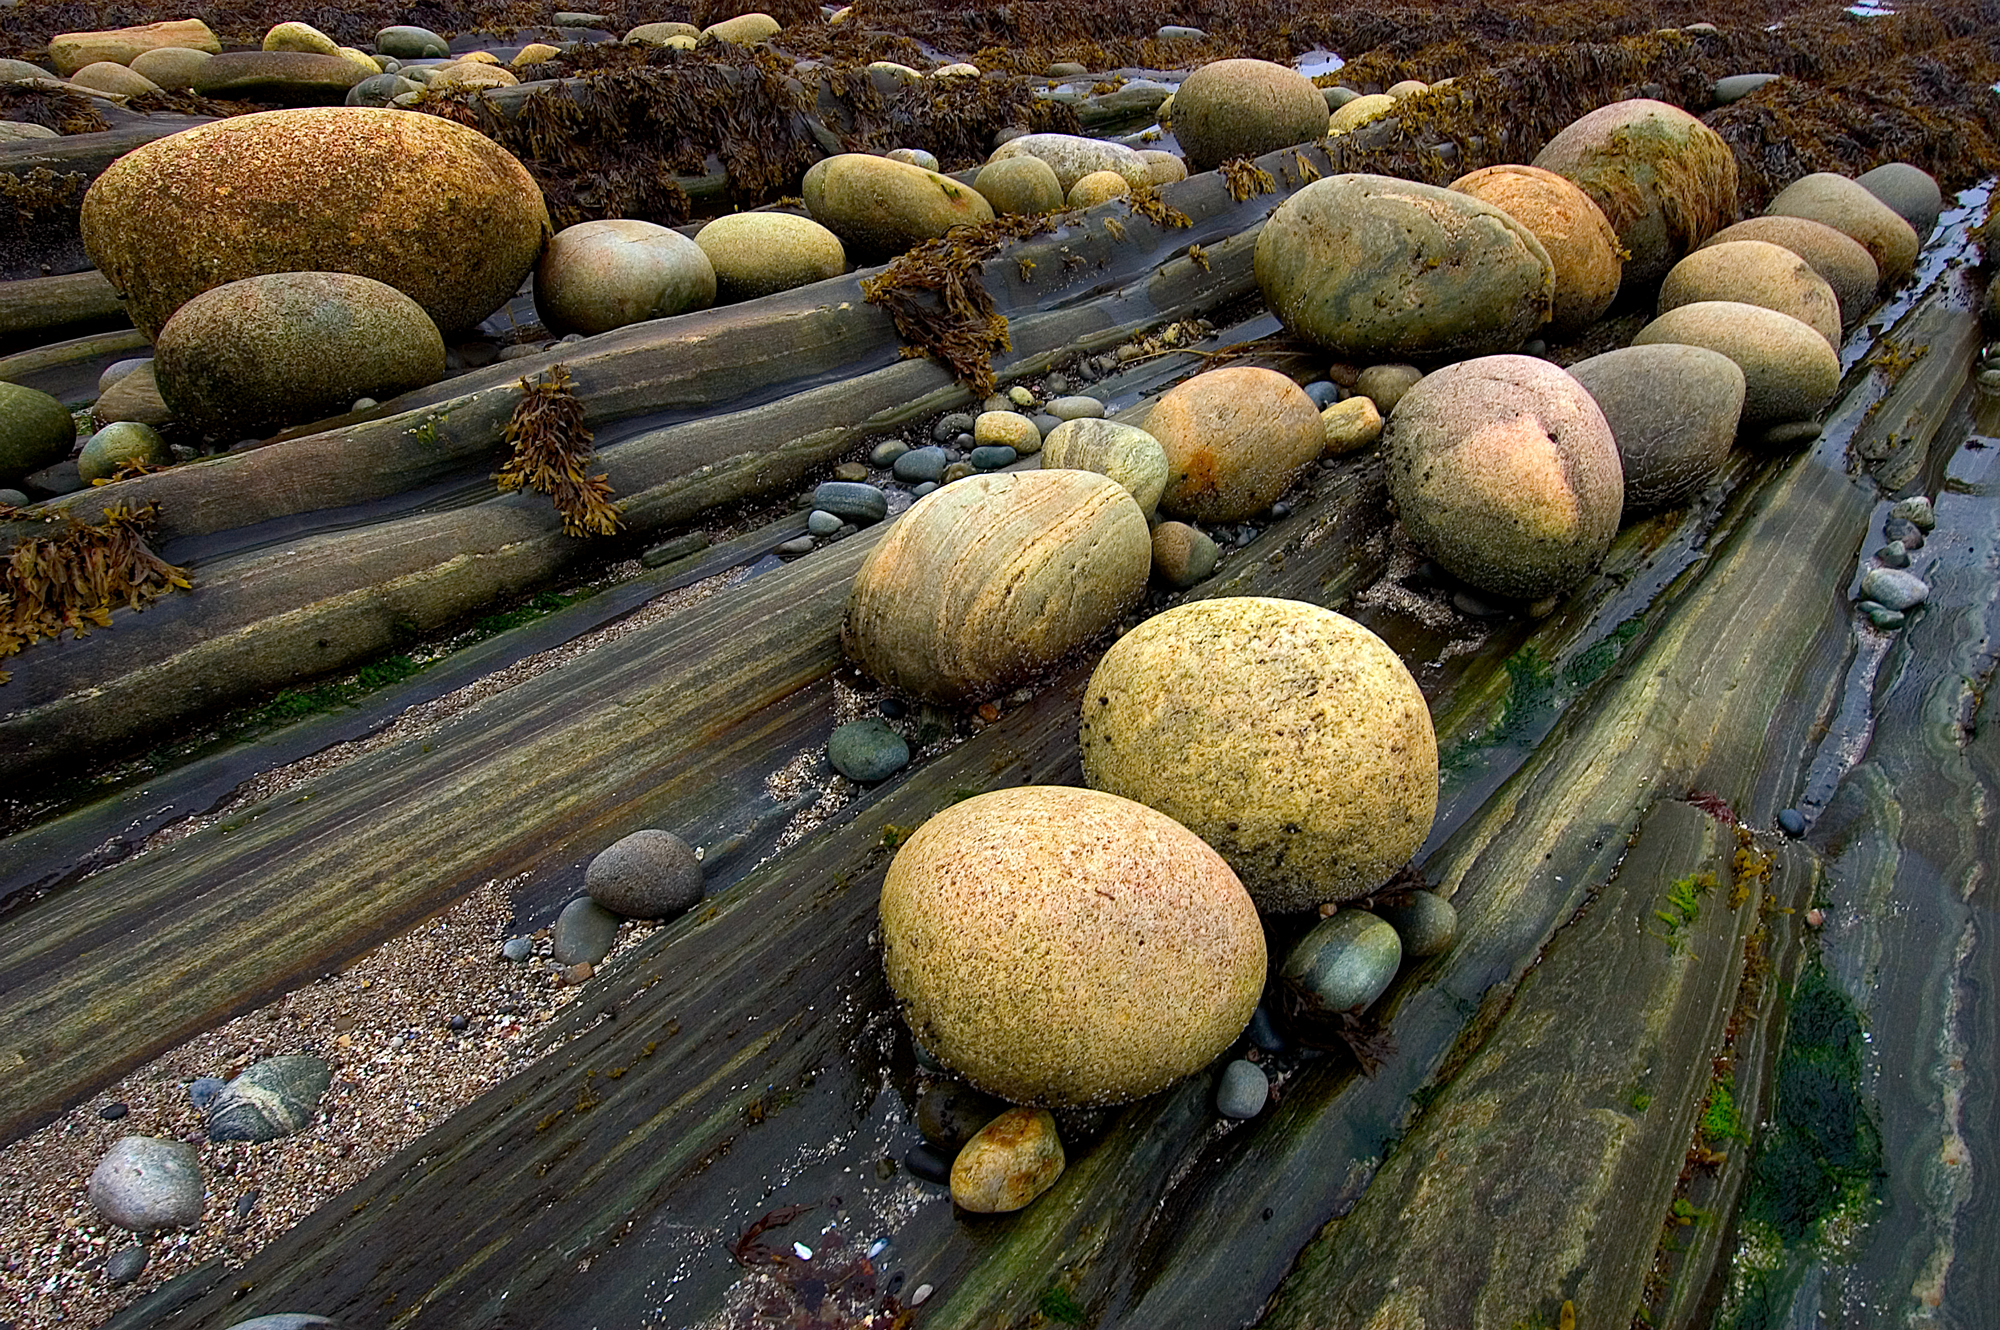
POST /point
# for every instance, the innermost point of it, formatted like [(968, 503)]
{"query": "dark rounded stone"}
[(1345, 962), (893, 707), (856, 501), (992, 457), (458, 1023), (126, 1264), (113, 1111), (1263, 1031), (927, 1163), (922, 464), (949, 426), (1426, 923), (1243, 1090), (518, 948), (584, 933), (951, 1113), (273, 1098), (1904, 531), (866, 751), (1893, 555), (202, 1090), (1791, 823), (1323, 393), (795, 548), (650, 874)]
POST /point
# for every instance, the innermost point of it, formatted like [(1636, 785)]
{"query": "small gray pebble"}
[(993, 456), (1905, 531), (866, 751), (1280, 509), (1427, 923), (1534, 346), (925, 488), (1243, 1091), (1893, 555), (246, 1203), (1887, 620), (886, 452), (1264, 1033), (957, 422), (518, 948), (127, 1264), (144, 1184), (202, 1090), (1791, 823), (997, 402), (584, 932), (922, 464), (1916, 509), (819, 522), (113, 1111), (795, 548), (1324, 393), (1076, 408), (960, 442), (1044, 422), (956, 471), (1894, 589), (458, 1022), (1055, 385)]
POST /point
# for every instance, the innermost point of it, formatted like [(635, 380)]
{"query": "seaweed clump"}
[(551, 454), (71, 580), (940, 307), (1245, 178), (59, 109)]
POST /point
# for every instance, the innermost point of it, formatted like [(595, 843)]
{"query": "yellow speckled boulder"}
[(1234, 439), (1059, 947), (885, 207), (1245, 108), (1287, 736), (1581, 244), (319, 189), (993, 578)]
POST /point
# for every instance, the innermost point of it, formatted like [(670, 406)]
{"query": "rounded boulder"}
[(1673, 412), (1245, 108), (1064, 947), (1755, 272), (1098, 187), (35, 431), (756, 253), (322, 189), (253, 355), (1505, 471), (650, 874), (1582, 247), (1235, 439), (601, 275), (885, 207), (1287, 736), (1372, 267), (989, 580), (1665, 181), (1019, 185), (1789, 371), (1840, 259), (1072, 157), (1851, 210), (1125, 453), (1911, 192)]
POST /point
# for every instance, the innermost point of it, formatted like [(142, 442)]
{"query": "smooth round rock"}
[(1846, 267), (1287, 736), (1791, 823), (1894, 588), (177, 216), (19, 131), (202, 1090), (1008, 1163), (1064, 947), (121, 444), (35, 431), (1426, 922), (1098, 187), (822, 523), (114, 79), (534, 53), (1125, 453), (882, 206), (929, 1163), (650, 874), (1183, 555), (1355, 112), (1242, 1091), (1072, 157), (467, 74), (1789, 370), (1344, 963), (380, 90), (13, 498), (1374, 267), (296, 36), (914, 156), (126, 1264), (1673, 412), (992, 457), (1895, 554), (252, 355), (1664, 180), (857, 501), (1910, 191), (1076, 408), (1245, 108), (984, 583), (1917, 511), (916, 465), (1007, 429), (1235, 439), (1386, 385), (71, 51), (658, 34), (744, 29), (1735, 87), (270, 1100), (1851, 210), (951, 1113), (1755, 272), (601, 275), (145, 1184), (756, 253), (1505, 471), (1580, 243), (172, 67), (1022, 184), (866, 751), (293, 78), (1165, 167), (1349, 426), (411, 43), (518, 948), (583, 934)]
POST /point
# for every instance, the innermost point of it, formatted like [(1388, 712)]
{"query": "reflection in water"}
[(1315, 62)]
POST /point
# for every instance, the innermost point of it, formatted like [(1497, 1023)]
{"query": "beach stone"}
[(657, 34), (1917, 511), (886, 452), (13, 498), (120, 444), (1386, 385), (1235, 439), (914, 156), (518, 948), (1893, 555), (882, 206), (866, 751), (1072, 157), (756, 253), (1372, 266), (290, 77), (1505, 471), (1162, 953), (796, 548), (1847, 267), (1243, 1090), (1755, 272), (1344, 963), (1125, 453), (19, 131), (381, 90), (171, 67), (1894, 589), (1012, 1160), (852, 472), (1854, 212), (272, 1099), (1006, 429), (135, 396), (1664, 180), (890, 78), (1245, 108), (62, 478), (35, 431), (462, 75), (920, 464), (992, 457), (1349, 426), (13, 71), (405, 42), (278, 349), (1789, 370), (114, 79), (583, 933), (1735, 87), (1337, 97), (1263, 1031), (1905, 533), (857, 501), (1287, 736), (951, 1113), (1581, 245), (1791, 823), (71, 51), (821, 523), (126, 1264), (145, 1184), (1324, 392), (601, 275), (1673, 412), (1911, 192), (1887, 619), (952, 424), (984, 583), (650, 874), (744, 29), (1165, 167), (1076, 408), (1357, 111), (1783, 436), (296, 36), (1098, 187), (534, 53), (177, 216), (1183, 555), (1426, 922), (1015, 185), (202, 1090)]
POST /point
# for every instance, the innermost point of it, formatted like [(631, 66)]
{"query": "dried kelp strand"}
[(551, 454), (71, 579)]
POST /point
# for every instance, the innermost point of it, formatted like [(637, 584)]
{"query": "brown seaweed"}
[(52, 108), (938, 304), (551, 454), (69, 581)]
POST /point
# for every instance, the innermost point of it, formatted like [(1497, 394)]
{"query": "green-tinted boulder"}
[(1072, 157), (119, 445), (1673, 412), (1789, 371), (1125, 453), (1755, 272), (1851, 210), (1245, 108), (1847, 267), (35, 431), (885, 207), (756, 253), (295, 78), (1019, 185), (597, 276)]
